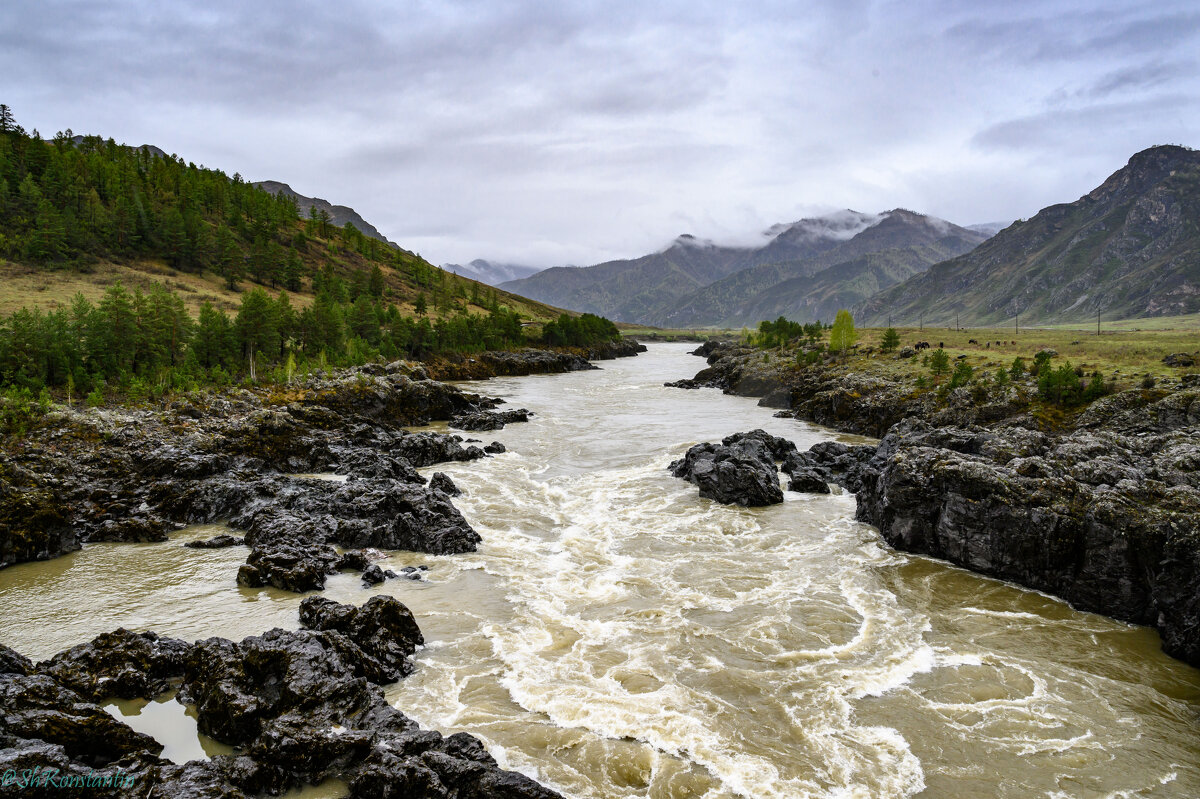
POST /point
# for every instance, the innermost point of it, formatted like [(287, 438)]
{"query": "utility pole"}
[(1017, 323), (956, 325), (1097, 321)]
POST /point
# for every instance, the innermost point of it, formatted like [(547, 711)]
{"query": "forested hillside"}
[(296, 292)]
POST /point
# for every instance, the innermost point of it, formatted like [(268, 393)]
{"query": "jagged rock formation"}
[(738, 471), (301, 706)]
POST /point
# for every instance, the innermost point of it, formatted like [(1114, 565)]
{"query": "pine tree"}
[(890, 341), (939, 363)]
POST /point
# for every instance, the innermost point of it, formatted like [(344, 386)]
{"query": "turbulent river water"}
[(618, 636)]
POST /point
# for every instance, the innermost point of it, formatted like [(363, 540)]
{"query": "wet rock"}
[(685, 383), (216, 542), (426, 449), (13, 662), (302, 706), (372, 463), (489, 420), (731, 475), (1179, 359), (121, 663), (808, 479), (442, 482), (354, 560), (1086, 518), (706, 349), (292, 568), (139, 527), (373, 575), (33, 525), (36, 708), (383, 627), (778, 448), (495, 448)]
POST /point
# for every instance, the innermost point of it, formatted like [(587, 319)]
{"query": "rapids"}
[(618, 636)]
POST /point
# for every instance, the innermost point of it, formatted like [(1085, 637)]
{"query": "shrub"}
[(1041, 361), (1060, 386), (962, 374), (1096, 388), (939, 362)]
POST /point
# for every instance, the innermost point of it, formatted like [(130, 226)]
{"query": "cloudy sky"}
[(575, 132)]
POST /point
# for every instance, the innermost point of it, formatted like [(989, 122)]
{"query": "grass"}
[(1190, 321), (1126, 355)]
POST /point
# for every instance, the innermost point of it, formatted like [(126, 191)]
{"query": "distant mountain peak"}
[(688, 241), (836, 226), (1129, 248), (491, 272)]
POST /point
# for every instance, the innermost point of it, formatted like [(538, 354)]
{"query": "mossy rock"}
[(32, 526)]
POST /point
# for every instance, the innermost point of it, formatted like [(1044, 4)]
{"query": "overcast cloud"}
[(565, 132)]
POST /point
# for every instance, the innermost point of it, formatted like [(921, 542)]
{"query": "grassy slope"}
[(26, 285)]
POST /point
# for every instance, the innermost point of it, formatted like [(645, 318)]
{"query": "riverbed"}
[(618, 636)]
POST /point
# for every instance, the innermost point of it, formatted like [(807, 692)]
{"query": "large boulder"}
[(739, 471)]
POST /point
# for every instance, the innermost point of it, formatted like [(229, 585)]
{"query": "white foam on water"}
[(604, 637)]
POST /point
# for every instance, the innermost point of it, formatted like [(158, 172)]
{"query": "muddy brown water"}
[(618, 636)]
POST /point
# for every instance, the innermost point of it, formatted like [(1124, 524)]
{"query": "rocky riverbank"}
[(1101, 509), (529, 361), (246, 457), (298, 707)]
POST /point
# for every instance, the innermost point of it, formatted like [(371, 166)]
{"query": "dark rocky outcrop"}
[(33, 525), (530, 361), (489, 420), (300, 707), (1107, 521), (135, 475), (738, 471), (216, 542), (442, 482), (828, 462), (121, 663)]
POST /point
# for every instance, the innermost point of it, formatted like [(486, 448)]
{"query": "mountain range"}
[(1129, 248), (491, 273), (804, 270)]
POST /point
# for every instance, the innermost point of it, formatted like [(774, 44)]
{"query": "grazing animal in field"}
[(972, 341)]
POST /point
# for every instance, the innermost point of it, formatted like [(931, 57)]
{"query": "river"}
[(618, 636)]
